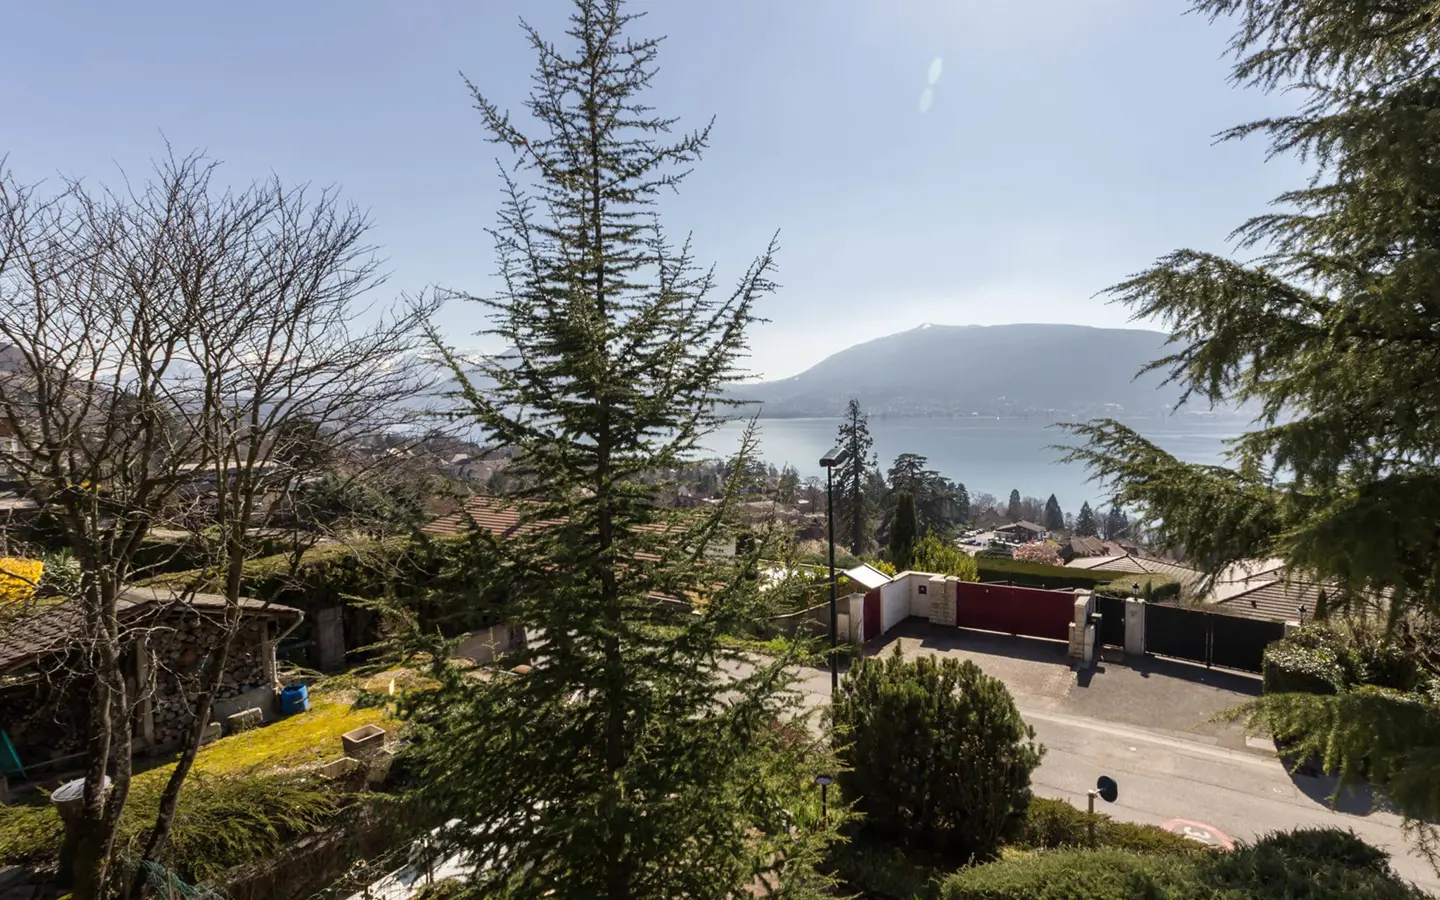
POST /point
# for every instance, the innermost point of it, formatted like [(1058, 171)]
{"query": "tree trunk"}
[(210, 684)]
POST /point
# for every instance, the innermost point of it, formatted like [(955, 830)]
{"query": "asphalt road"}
[(1164, 778)]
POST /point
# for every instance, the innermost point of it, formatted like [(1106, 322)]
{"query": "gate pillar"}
[(1134, 627)]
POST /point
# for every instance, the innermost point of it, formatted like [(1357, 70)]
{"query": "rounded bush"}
[(934, 753)]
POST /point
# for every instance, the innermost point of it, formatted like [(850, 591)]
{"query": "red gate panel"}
[(872, 614), (1015, 610)]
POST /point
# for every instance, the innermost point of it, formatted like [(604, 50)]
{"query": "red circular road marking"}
[(1200, 832)]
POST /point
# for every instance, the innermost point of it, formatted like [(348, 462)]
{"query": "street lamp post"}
[(824, 781), (830, 461)]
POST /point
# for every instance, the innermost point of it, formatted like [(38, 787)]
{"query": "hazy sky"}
[(1062, 145)]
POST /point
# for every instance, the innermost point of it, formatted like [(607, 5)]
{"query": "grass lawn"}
[(247, 795)]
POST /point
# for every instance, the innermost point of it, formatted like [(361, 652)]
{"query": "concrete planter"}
[(364, 743)]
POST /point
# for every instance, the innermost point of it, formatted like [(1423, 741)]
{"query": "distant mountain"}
[(997, 370)]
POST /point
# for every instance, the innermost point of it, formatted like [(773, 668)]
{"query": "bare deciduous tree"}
[(164, 347)]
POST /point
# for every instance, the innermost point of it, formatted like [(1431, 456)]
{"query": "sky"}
[(923, 161)]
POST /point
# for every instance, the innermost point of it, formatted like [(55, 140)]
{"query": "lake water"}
[(986, 455)]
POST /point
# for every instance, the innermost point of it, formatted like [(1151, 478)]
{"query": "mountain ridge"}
[(984, 370)]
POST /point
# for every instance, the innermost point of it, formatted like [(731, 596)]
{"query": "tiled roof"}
[(46, 628), (1277, 601), (1186, 576), (499, 517), (1028, 526), (502, 518), (1094, 546)]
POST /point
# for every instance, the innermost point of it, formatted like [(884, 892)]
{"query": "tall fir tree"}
[(959, 502), (904, 531), (936, 499), (909, 474), (1330, 334), (787, 487), (1054, 516), (625, 764), (852, 500), (1116, 524), (1085, 523), (1012, 510)]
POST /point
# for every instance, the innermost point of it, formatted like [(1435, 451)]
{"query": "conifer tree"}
[(852, 500), (1116, 523), (1054, 517), (909, 474), (1012, 511), (1330, 332), (625, 763), (904, 531), (1085, 523)]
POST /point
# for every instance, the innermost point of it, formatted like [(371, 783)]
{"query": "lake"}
[(986, 455)]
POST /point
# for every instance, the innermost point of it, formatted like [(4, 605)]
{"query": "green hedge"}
[(160, 556), (1030, 574), (1073, 875), (1056, 824), (1317, 864), (445, 582), (1295, 668), (1153, 588)]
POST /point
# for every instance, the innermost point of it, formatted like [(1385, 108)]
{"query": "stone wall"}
[(180, 647)]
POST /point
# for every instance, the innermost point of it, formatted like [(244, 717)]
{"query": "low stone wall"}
[(312, 864), (815, 620)]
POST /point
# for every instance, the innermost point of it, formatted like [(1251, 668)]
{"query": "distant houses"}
[(1256, 588), (1022, 532)]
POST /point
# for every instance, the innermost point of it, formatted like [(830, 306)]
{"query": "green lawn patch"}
[(248, 796)]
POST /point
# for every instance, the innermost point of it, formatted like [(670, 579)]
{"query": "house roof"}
[(501, 518), (45, 629), (867, 576), (504, 517), (1027, 526), (1186, 576), (1278, 600), (1081, 545)]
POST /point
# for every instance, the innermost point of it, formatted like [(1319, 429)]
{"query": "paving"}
[(1147, 723), (1162, 695)]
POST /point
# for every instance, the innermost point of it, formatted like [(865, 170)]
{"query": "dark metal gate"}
[(1112, 619), (1239, 643), (1231, 642), (871, 609), (1178, 632)]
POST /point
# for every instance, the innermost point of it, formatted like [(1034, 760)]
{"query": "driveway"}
[(1147, 726)]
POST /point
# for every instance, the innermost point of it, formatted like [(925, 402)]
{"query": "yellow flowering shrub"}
[(18, 578)]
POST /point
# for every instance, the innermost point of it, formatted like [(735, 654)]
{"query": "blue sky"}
[(1066, 144)]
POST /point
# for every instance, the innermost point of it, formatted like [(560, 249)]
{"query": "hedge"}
[(444, 581), (1153, 588), (1294, 668), (1029, 574), (1056, 824), (1315, 863), (1073, 874)]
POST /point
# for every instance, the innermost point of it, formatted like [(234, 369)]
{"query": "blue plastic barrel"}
[(295, 698)]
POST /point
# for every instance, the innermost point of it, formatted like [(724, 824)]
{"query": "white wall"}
[(894, 604)]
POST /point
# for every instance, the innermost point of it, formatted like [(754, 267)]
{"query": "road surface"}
[(1169, 781)]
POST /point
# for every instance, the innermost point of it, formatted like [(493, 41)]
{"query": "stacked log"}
[(181, 647)]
